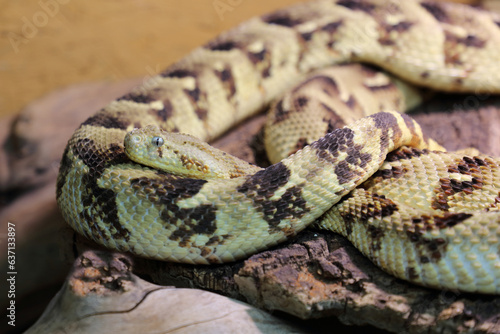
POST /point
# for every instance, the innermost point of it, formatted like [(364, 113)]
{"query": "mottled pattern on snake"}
[(130, 207)]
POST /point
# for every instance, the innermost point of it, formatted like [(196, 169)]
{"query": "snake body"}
[(443, 233)]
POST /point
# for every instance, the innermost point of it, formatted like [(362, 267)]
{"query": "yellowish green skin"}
[(182, 217), (183, 154)]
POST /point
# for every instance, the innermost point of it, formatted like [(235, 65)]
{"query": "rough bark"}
[(102, 295)]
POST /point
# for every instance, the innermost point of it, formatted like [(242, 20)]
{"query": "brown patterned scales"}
[(130, 207)]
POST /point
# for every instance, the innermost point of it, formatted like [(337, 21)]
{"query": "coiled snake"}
[(428, 217)]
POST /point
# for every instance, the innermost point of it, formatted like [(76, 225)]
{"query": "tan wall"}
[(46, 44)]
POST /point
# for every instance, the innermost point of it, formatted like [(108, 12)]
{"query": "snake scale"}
[(425, 216)]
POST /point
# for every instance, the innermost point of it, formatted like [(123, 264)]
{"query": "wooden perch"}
[(103, 296)]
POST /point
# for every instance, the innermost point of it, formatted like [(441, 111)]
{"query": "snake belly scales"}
[(425, 216)]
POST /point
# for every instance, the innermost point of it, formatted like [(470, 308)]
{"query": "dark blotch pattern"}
[(167, 192), (432, 249), (387, 38), (361, 5), (198, 220), (178, 73), (107, 121), (222, 45), (262, 61), (376, 208), (385, 122), (437, 11), (165, 113), (262, 185), (449, 187), (376, 234), (280, 114), (227, 79), (97, 201), (282, 19), (405, 153), (196, 96), (341, 140), (395, 172), (469, 41), (332, 27), (334, 121)]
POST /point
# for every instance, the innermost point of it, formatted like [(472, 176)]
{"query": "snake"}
[(138, 176)]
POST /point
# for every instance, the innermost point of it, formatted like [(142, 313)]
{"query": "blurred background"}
[(47, 44)]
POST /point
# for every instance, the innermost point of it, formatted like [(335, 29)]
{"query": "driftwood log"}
[(102, 295), (317, 275)]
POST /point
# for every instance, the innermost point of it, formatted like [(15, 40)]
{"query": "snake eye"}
[(157, 141)]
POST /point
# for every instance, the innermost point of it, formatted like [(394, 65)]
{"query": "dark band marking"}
[(448, 187), (395, 172), (99, 203), (469, 41), (281, 18), (107, 121), (329, 146), (197, 98), (262, 185), (387, 38), (139, 97), (376, 234), (334, 121), (301, 143), (437, 11), (357, 5), (227, 79), (280, 114), (218, 240), (341, 140), (400, 26), (385, 122), (432, 249), (332, 27), (261, 61), (222, 45), (352, 103), (166, 193), (412, 273), (405, 153), (300, 102), (165, 113), (198, 220), (178, 73), (377, 207)]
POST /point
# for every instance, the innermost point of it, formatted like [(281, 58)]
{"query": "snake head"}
[(178, 154)]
